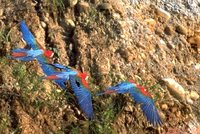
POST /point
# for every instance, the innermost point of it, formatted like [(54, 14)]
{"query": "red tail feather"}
[(110, 91), (19, 54), (51, 77)]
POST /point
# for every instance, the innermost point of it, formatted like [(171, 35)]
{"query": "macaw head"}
[(141, 88), (84, 77), (48, 53)]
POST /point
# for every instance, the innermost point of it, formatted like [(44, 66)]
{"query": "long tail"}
[(19, 54), (107, 92), (51, 77), (102, 93)]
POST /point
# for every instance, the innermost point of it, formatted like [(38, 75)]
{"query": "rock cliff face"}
[(156, 43)]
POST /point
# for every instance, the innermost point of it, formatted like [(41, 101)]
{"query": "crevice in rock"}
[(47, 38), (14, 119), (11, 97), (74, 54), (1, 78), (95, 72), (38, 8), (39, 13)]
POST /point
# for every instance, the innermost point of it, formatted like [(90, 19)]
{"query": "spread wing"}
[(28, 36), (49, 70), (148, 107), (83, 95), (18, 50), (58, 66)]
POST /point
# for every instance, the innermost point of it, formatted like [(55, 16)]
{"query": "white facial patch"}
[(86, 78), (52, 55)]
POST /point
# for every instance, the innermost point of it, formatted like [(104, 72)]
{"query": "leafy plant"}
[(5, 34), (4, 123), (56, 6)]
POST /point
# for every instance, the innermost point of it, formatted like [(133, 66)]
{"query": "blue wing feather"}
[(27, 58), (83, 95), (49, 70), (123, 87), (28, 36), (58, 66), (17, 50), (120, 85), (68, 69), (148, 107), (62, 84)]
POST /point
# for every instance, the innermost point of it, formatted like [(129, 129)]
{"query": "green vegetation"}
[(107, 110), (56, 6), (59, 4), (4, 122), (4, 61), (5, 34), (76, 130)]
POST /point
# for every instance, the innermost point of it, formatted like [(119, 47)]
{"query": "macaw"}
[(83, 76), (141, 96), (28, 55), (66, 72), (83, 95), (32, 43)]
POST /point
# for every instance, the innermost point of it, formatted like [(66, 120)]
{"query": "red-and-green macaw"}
[(141, 96)]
